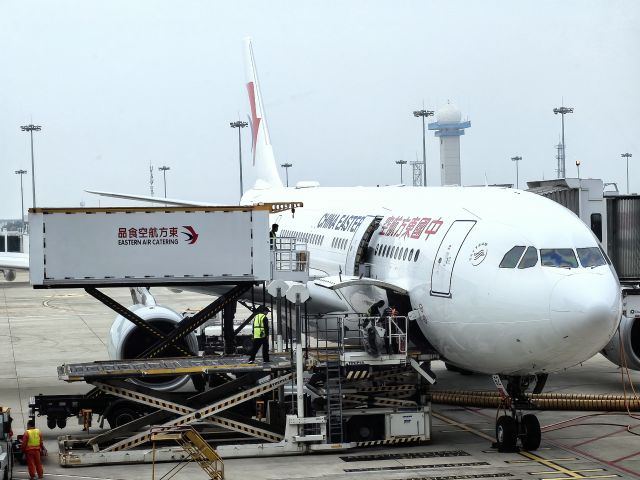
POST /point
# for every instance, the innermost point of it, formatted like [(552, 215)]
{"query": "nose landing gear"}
[(514, 427)]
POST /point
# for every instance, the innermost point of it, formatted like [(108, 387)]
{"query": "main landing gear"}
[(510, 428)]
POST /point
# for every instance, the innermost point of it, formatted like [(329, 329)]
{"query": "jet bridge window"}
[(590, 257), (558, 257), (529, 259), (510, 259)]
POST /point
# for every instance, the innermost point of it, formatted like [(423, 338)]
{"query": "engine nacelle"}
[(9, 275), (630, 336), (127, 341)]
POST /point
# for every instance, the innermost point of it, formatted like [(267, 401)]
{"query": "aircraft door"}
[(357, 252), (446, 257)]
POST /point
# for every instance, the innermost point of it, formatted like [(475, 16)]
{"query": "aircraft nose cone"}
[(586, 306)]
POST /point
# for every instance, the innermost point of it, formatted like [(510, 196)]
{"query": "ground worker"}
[(31, 446), (260, 335), (273, 234)]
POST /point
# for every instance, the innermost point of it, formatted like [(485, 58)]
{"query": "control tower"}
[(449, 127)]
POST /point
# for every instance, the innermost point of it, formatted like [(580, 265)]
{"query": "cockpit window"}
[(510, 259), (558, 257), (529, 259), (590, 257), (606, 257)]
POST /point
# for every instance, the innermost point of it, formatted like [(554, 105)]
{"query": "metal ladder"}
[(197, 447), (333, 389)]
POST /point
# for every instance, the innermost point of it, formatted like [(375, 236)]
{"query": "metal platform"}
[(80, 372)]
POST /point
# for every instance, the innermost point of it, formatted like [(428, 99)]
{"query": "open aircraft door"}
[(447, 255), (357, 252)]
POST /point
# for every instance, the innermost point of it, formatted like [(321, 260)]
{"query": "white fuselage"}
[(481, 317)]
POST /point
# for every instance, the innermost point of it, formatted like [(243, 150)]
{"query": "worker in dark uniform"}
[(273, 234), (369, 328), (31, 446), (260, 335)]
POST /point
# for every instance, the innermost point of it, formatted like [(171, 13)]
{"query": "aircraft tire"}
[(531, 434), (506, 434)]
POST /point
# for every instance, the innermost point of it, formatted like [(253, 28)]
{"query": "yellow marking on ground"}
[(594, 476), (554, 466), (568, 459), (576, 471), (462, 426)]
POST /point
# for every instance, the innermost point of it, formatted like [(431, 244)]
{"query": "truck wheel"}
[(121, 415), (51, 422), (365, 428), (61, 422)]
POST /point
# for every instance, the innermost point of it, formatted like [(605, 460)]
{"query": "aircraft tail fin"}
[(262, 166)]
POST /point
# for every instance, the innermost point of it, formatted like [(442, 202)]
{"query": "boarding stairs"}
[(197, 447)]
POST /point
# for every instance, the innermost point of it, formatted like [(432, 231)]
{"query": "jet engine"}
[(127, 341), (9, 275), (629, 333)]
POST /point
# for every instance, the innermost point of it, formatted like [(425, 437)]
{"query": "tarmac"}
[(42, 329)]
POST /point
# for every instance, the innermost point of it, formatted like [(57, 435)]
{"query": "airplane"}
[(12, 256), (500, 281)]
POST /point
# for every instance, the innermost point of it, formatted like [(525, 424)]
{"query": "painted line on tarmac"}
[(463, 426)]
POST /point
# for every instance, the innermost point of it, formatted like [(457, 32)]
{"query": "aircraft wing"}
[(14, 261), (148, 198)]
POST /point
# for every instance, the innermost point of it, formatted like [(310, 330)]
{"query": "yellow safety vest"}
[(34, 437), (258, 326)]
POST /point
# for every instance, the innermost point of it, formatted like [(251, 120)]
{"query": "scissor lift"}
[(94, 248)]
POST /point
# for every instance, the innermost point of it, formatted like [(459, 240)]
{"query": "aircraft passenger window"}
[(404, 255), (387, 249), (410, 255), (393, 252), (333, 243), (590, 257), (397, 255), (558, 257), (529, 259), (375, 252), (510, 259), (415, 259)]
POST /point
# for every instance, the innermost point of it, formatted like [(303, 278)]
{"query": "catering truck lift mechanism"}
[(218, 246)]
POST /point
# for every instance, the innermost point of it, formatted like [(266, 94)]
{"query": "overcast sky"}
[(120, 85)]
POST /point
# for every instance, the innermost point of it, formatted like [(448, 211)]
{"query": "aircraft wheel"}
[(506, 434), (531, 434)]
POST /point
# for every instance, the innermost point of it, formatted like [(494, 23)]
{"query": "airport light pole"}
[(402, 163), (578, 162), (561, 166), (627, 156), (423, 113), (239, 125), (517, 160), (21, 173), (164, 169), (32, 128), (286, 167)]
